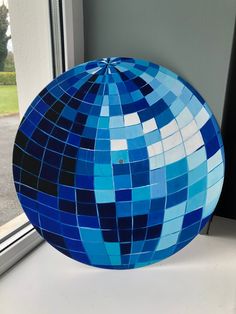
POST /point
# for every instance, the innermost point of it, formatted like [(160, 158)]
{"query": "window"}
[(10, 220), (46, 38)]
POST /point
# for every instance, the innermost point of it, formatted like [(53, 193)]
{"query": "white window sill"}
[(199, 279), (17, 246)]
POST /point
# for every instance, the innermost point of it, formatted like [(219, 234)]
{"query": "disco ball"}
[(118, 163)]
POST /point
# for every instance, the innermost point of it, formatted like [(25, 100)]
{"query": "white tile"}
[(172, 141), (174, 154), (131, 119), (156, 161), (118, 145), (184, 118), (214, 161), (202, 117), (105, 111), (155, 149), (189, 130), (149, 126), (193, 143), (169, 129)]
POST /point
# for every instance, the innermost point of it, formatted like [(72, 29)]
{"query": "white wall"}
[(30, 28)]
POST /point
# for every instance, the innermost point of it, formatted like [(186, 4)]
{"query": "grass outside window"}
[(8, 99)]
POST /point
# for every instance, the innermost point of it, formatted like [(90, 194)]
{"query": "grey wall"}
[(192, 38)]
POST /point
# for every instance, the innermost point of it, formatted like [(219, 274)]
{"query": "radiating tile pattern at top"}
[(118, 163)]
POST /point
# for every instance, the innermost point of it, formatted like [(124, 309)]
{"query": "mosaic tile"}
[(118, 163)]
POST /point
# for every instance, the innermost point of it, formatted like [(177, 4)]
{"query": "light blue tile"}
[(117, 133), (133, 131), (113, 100), (113, 248), (112, 88), (158, 190), (115, 260), (116, 122), (153, 97), (194, 105), (197, 173), (99, 260), (91, 235), (215, 175), (215, 160), (196, 202), (103, 183), (141, 193), (213, 192), (197, 187), (186, 95), (136, 95), (172, 226), (175, 211), (103, 170), (105, 196), (167, 241), (152, 137), (103, 122), (117, 156), (158, 175), (176, 169), (176, 107), (196, 158)]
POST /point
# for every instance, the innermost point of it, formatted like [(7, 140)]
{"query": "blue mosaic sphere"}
[(118, 163)]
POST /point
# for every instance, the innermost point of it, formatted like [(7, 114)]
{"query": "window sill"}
[(17, 246), (12, 226)]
